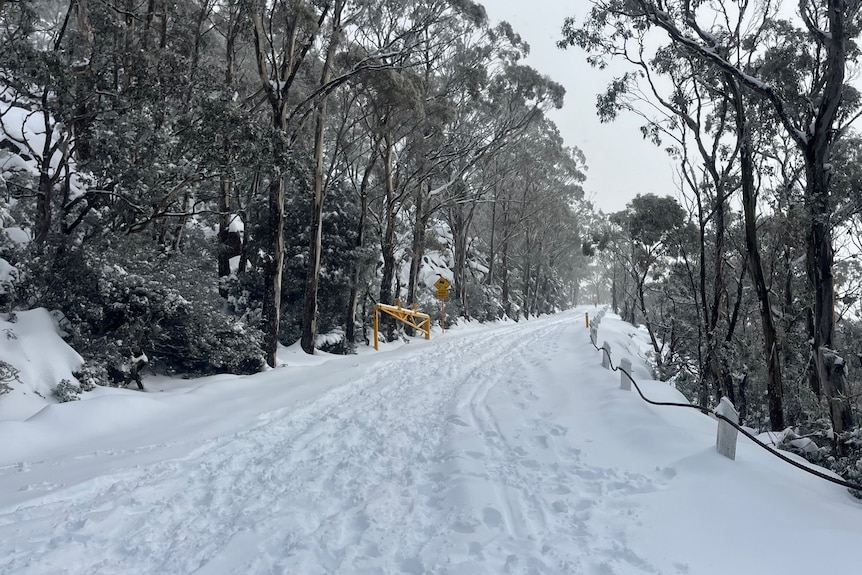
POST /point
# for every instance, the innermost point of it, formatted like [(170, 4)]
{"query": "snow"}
[(8, 275), (434, 266), (16, 235), (30, 341), (489, 449), (236, 224), (25, 129)]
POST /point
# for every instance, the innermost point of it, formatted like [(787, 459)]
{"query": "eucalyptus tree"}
[(309, 313), (530, 219), (285, 33), (810, 107), (455, 69), (356, 154), (230, 22), (549, 210), (517, 98), (652, 223)]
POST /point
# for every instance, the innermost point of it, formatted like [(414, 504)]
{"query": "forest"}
[(187, 185)]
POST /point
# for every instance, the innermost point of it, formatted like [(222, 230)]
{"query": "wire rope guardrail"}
[(724, 412)]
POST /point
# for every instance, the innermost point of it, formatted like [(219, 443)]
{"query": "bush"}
[(66, 391), (90, 375), (8, 374), (848, 465), (120, 305)]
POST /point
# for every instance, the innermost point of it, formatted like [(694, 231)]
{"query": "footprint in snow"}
[(454, 419), (541, 441), (492, 517), (463, 527)]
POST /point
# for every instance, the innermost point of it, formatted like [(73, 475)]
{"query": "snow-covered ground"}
[(505, 449)]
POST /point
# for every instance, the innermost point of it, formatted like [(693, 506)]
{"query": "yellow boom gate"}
[(413, 318)]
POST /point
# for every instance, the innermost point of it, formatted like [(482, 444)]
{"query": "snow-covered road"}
[(503, 450)]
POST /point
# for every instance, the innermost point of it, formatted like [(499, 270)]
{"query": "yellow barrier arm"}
[(411, 317)]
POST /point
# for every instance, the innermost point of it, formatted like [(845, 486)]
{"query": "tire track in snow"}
[(320, 486), (519, 491), (437, 462), (492, 459)]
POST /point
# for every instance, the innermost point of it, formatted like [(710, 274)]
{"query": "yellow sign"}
[(441, 284), (443, 293)]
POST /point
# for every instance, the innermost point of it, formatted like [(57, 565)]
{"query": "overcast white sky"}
[(621, 164)]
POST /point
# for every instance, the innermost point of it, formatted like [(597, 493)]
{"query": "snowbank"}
[(31, 344)]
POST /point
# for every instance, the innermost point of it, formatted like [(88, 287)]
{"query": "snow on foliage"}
[(30, 342), (8, 275), (23, 133)]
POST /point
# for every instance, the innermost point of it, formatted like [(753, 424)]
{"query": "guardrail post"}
[(594, 335), (625, 372), (725, 442), (606, 355)]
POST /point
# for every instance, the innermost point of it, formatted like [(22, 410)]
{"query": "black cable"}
[(707, 411)]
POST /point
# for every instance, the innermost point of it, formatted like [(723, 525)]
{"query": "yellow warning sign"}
[(443, 294), (442, 284)]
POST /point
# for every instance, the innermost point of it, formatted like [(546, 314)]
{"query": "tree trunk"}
[(820, 260), (227, 247), (492, 243), (774, 387), (388, 241), (459, 271), (817, 201), (504, 278), (273, 269), (224, 245), (353, 300), (176, 244), (417, 248), (312, 278), (832, 376), (647, 322), (44, 198)]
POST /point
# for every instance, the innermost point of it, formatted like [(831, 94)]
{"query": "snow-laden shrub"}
[(8, 374), (90, 375), (848, 465), (207, 343), (331, 342), (120, 304), (66, 391), (484, 302)]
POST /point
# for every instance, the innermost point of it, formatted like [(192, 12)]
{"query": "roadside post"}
[(442, 285)]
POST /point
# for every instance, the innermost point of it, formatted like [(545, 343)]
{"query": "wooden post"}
[(587, 319), (443, 316), (606, 355), (376, 312), (725, 442), (625, 371)]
